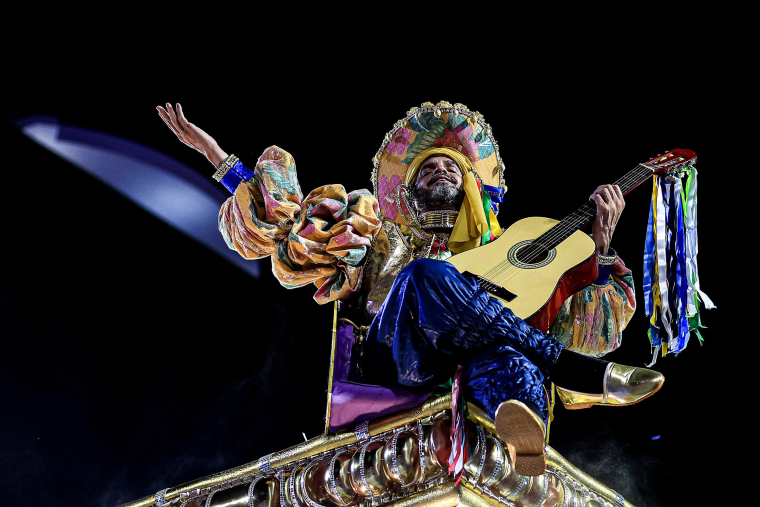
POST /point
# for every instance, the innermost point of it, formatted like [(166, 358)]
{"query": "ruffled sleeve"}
[(322, 239), (262, 210), (328, 244), (591, 321)]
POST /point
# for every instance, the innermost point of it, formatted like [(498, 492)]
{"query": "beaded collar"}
[(438, 219)]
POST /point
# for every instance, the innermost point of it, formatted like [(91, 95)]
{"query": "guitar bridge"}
[(490, 287)]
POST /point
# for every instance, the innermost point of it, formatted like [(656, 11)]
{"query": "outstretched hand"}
[(609, 206), (191, 135)]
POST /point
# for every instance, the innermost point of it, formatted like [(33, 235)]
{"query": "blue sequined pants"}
[(435, 319)]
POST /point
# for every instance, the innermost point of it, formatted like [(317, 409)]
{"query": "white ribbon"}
[(692, 248), (662, 266), (655, 353)]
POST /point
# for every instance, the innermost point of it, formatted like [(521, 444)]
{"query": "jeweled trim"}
[(302, 483), (208, 500), (544, 491), (565, 486), (160, 498), (250, 490), (518, 492), (439, 218), (292, 488), (263, 463), (394, 461), (282, 480), (606, 260), (224, 167), (421, 447), (482, 445), (499, 464), (331, 479), (362, 475), (362, 431), (412, 218)]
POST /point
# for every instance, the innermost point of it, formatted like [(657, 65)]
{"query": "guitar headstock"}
[(673, 162)]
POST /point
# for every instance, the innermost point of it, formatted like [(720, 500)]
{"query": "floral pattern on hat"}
[(461, 140), (399, 142), (434, 126), (387, 192)]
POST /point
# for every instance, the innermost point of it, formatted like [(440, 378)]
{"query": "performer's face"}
[(436, 171), (439, 184)]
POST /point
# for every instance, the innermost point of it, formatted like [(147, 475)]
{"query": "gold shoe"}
[(623, 385), (525, 434)]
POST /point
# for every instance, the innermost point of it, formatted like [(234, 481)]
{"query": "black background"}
[(135, 359)]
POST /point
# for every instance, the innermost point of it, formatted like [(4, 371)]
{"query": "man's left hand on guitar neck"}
[(609, 205)]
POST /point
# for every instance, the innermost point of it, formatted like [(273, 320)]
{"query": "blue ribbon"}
[(649, 262), (681, 277), (670, 220), (496, 193), (676, 252)]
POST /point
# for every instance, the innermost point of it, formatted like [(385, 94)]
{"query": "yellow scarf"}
[(471, 223)]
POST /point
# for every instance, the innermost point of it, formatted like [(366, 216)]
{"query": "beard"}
[(439, 196)]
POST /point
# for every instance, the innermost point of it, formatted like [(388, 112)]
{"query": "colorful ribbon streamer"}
[(458, 455), (694, 291), (496, 194), (671, 281)]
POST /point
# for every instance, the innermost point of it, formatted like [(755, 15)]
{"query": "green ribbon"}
[(695, 322), (443, 389), (486, 238)]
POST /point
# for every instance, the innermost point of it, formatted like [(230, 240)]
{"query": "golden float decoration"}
[(398, 460)]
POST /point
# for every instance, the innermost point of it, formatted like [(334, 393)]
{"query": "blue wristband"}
[(241, 170), (605, 267), (235, 175), (231, 180), (604, 274)]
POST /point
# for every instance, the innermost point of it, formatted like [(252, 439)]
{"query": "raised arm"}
[(190, 135), (321, 239)]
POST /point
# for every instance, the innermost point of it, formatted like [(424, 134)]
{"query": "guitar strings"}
[(584, 214), (564, 228), (633, 178), (558, 233)]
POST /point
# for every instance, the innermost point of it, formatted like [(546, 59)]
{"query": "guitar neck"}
[(586, 213)]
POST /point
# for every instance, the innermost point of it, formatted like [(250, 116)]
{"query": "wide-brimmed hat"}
[(435, 126)]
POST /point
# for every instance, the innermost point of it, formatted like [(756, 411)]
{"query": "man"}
[(438, 177)]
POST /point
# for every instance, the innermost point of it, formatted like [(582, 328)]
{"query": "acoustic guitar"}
[(537, 263)]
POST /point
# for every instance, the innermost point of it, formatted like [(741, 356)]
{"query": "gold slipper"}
[(525, 433), (623, 385)]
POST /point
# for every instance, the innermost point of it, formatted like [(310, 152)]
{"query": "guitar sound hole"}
[(532, 253)]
